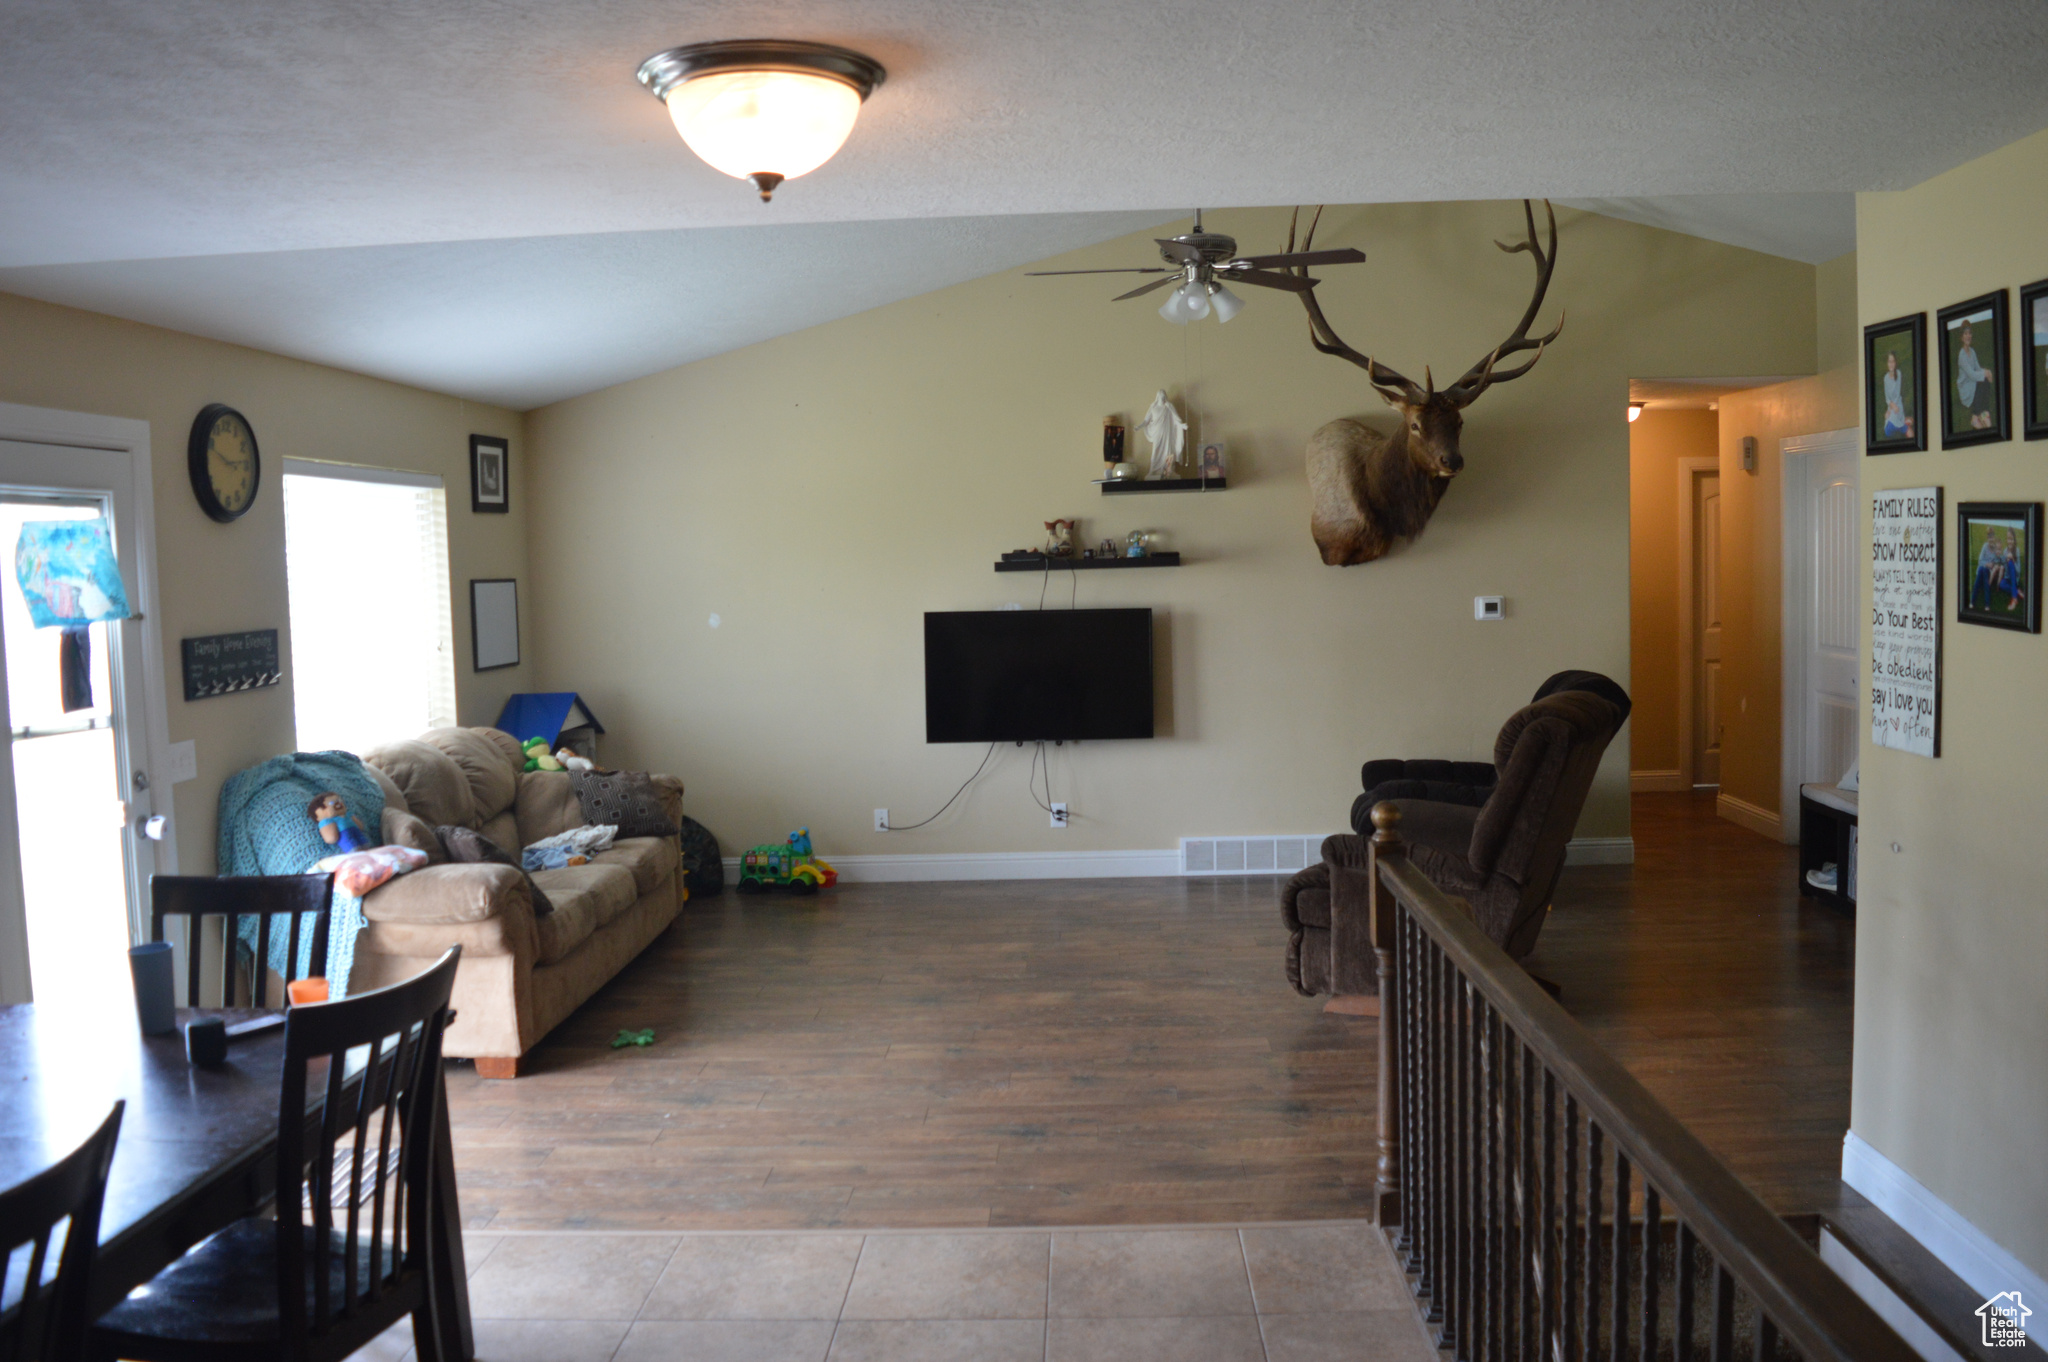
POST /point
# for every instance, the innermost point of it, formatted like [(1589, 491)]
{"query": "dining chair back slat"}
[(48, 1321), (302, 901), (372, 1148)]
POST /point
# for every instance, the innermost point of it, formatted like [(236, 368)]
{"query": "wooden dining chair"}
[(288, 901), (347, 1256), (49, 1320)]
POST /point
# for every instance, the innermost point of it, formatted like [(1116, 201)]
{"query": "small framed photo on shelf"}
[(1998, 577), (493, 623), (1895, 385), (490, 471), (2034, 354), (1975, 408), (1210, 464)]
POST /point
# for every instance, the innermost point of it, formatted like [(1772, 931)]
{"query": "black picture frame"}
[(490, 613), (2034, 354), (1977, 566), (490, 474), (1883, 340), (1986, 311)]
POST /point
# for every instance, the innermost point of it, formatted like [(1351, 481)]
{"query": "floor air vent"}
[(1248, 855)]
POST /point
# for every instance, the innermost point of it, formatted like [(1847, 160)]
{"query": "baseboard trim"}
[(1658, 782), (996, 865), (1963, 1248), (1755, 817), (1093, 865), (1600, 851)]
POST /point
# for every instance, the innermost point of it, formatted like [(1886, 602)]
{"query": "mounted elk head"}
[(1370, 491)]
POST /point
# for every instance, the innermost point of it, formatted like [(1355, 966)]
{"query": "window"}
[(366, 563)]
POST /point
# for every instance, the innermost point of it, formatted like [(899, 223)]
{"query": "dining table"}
[(198, 1144)]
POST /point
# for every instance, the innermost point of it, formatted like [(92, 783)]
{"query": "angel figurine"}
[(1168, 434)]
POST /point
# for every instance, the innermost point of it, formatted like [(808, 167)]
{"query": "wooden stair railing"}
[(1546, 1206)]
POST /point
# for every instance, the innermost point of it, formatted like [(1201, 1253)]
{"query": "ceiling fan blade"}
[(1179, 251), (1349, 255), (1293, 283), (1172, 278), (1133, 269)]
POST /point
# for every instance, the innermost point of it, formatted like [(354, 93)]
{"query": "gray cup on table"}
[(156, 1002)]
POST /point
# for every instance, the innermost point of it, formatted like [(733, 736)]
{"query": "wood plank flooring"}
[(1116, 1052)]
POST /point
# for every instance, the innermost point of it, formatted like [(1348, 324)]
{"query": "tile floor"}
[(1257, 1293)]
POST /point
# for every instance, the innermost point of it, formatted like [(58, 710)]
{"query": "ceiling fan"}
[(1203, 262)]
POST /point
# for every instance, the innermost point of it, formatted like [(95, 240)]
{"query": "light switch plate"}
[(182, 762)]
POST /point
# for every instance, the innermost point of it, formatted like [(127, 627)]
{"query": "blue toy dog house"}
[(560, 716)]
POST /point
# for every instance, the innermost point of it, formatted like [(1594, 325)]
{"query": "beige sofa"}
[(520, 976)]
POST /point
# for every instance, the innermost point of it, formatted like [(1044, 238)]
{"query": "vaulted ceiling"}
[(375, 183)]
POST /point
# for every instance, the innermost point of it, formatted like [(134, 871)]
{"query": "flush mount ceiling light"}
[(1635, 409), (763, 109)]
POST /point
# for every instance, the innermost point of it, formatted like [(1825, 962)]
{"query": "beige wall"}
[(1752, 548), (220, 578), (1951, 1082), (1657, 549), (822, 490)]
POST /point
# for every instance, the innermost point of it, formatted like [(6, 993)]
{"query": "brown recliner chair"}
[(1503, 856)]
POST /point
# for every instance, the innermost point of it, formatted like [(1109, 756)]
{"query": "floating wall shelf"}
[(1040, 563), (1115, 487)]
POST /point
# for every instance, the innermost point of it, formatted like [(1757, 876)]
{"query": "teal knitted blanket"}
[(264, 830)]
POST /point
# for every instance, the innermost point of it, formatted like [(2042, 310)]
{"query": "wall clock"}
[(225, 467)]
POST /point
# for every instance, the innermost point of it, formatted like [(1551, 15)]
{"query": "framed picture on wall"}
[(494, 623), (1895, 385), (2034, 354), (1998, 576), (490, 474), (1975, 379)]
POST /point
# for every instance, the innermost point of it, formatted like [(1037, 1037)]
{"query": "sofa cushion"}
[(608, 889), (547, 805), (563, 930), (402, 829), (650, 860), (394, 798), (504, 831), (628, 800), (487, 765), (430, 782)]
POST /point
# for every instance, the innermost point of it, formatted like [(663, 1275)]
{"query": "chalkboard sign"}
[(225, 663)]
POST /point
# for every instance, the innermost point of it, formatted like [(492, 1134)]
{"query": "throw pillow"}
[(625, 799), (470, 847)]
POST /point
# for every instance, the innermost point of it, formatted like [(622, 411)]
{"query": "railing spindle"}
[(1525, 1206), (1653, 1212), (1593, 1167), (1724, 1315), (1687, 1265), (1568, 1249), (1547, 1227), (1617, 1330)]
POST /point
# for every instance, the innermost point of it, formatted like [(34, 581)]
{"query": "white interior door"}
[(1822, 617), (76, 794), (1706, 622)]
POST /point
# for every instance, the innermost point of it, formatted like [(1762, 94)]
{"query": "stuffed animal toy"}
[(538, 758), (573, 762), (337, 828)]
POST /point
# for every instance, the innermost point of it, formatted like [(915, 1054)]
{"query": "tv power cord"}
[(906, 827)]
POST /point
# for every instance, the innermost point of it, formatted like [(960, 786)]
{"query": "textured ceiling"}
[(139, 130)]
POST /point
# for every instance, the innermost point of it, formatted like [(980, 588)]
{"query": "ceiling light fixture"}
[(763, 109), (1635, 409)]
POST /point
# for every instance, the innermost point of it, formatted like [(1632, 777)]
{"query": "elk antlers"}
[(1396, 387)]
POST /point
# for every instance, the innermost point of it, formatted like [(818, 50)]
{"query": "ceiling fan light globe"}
[(745, 123), (1194, 301), (1174, 309), (1226, 303)]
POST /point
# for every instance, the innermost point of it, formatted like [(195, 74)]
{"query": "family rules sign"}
[(1905, 619)]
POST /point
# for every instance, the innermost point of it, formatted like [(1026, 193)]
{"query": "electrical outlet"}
[(1488, 607), (1059, 814), (881, 820)]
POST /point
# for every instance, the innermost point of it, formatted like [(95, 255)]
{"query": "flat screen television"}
[(1037, 675)]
